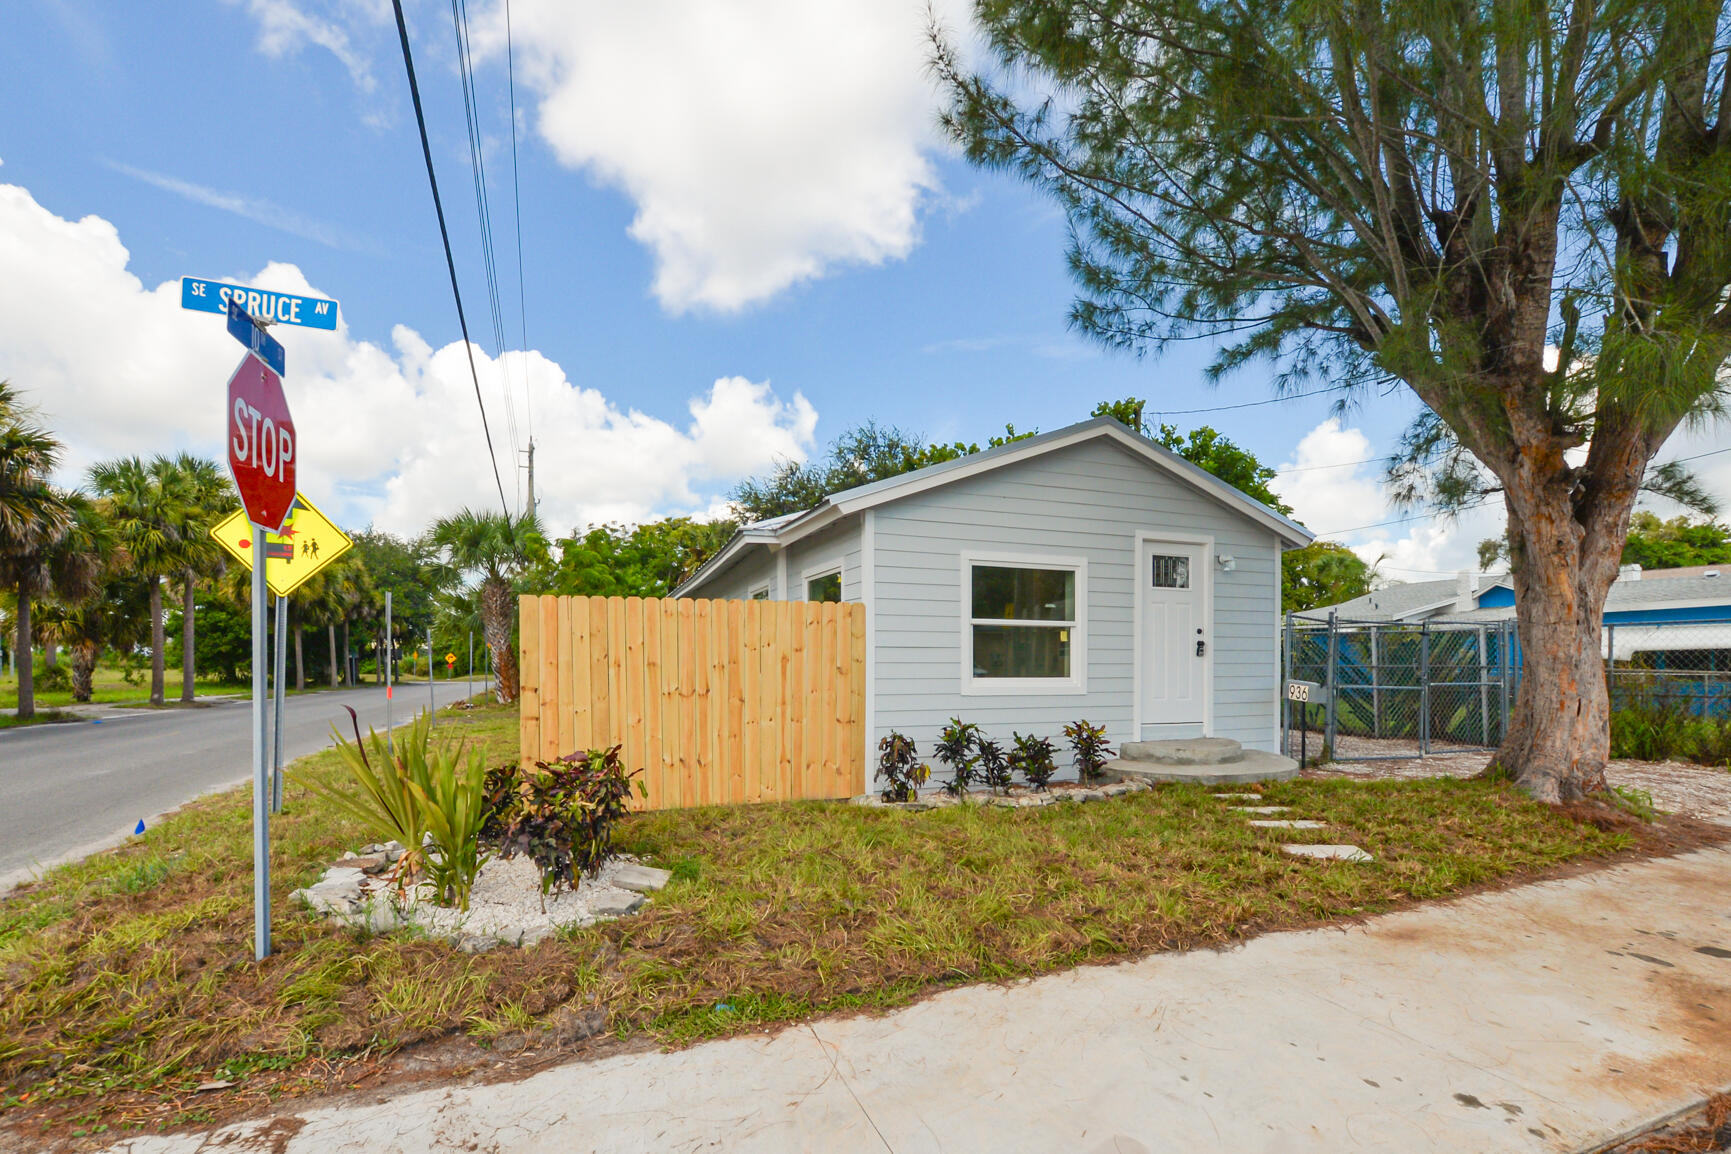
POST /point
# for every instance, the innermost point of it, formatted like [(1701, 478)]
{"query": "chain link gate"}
[(1394, 690)]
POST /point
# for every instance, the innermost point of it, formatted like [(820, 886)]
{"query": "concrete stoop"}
[(1204, 760)]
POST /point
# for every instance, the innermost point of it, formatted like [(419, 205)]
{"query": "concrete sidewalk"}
[(1554, 1017)]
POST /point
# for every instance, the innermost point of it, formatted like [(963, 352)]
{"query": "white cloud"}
[(391, 435), (764, 142), (285, 27), (1334, 484)]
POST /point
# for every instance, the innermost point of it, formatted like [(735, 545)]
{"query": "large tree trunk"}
[(25, 660), (188, 668), (300, 652), (50, 655), (1566, 543), (84, 656), (331, 636), (496, 606), (156, 641)]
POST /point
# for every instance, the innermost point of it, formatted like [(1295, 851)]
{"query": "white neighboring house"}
[(1086, 573)]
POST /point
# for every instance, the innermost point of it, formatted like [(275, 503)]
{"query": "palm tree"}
[(497, 549), (68, 569), (111, 617), (148, 504), (209, 497), (34, 517)]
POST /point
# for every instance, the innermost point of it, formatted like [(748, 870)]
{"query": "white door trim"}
[(1140, 542)]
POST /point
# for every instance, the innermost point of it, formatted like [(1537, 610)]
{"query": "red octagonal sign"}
[(261, 443)]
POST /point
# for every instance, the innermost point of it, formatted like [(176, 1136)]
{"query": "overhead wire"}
[(484, 214), (517, 218), (445, 237)]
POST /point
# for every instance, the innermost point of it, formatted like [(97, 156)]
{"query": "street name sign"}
[(261, 443), (251, 334), (212, 296), (307, 543)]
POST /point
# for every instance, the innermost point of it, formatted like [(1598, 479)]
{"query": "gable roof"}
[(790, 527)]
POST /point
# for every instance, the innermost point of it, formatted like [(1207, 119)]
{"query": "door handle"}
[(1201, 647)]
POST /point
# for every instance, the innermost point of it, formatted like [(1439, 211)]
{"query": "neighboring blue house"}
[(1674, 622), (1087, 573)]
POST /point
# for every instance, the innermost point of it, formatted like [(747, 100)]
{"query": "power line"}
[(517, 217), (445, 237), (1244, 405), (483, 210)]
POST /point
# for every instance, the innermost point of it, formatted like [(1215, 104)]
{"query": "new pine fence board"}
[(720, 702)]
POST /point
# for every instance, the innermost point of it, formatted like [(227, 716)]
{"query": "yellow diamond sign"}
[(308, 542)]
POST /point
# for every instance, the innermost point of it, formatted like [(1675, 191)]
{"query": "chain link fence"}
[(1674, 667), (1398, 690)]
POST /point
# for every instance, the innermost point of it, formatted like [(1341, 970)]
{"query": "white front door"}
[(1175, 634)]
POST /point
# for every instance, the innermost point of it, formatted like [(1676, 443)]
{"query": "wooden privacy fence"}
[(719, 701)]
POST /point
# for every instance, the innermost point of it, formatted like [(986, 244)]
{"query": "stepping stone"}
[(1300, 824), (615, 904), (640, 879), (1260, 808), (1327, 852), (1237, 796)]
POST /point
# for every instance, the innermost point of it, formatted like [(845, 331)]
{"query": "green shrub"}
[(385, 803), (995, 769), (956, 748), (900, 768), (452, 801), (1032, 758), (52, 678), (1089, 750), (562, 814)]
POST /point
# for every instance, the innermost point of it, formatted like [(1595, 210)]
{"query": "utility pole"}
[(531, 476)]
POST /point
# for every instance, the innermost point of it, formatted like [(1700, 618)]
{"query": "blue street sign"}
[(247, 331), (212, 296)]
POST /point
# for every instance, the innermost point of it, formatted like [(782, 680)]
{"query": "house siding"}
[(1090, 501), (760, 565)]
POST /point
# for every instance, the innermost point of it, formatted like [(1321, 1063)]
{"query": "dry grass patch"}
[(127, 980)]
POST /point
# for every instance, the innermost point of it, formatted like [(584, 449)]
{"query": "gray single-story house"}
[(1083, 573)]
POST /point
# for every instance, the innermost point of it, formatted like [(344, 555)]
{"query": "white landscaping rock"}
[(1327, 852), (505, 906), (1300, 823), (1260, 808)]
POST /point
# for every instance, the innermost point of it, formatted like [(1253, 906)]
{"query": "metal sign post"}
[(260, 785), (471, 666), (281, 672), (432, 685), (390, 656)]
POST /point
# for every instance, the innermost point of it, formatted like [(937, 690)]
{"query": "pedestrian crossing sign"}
[(307, 543)]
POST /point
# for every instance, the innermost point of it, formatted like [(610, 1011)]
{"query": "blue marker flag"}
[(140, 828)]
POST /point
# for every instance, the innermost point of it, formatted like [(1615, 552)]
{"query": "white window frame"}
[(758, 592), (1077, 682), (825, 569)]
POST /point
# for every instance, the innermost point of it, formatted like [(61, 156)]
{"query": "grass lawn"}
[(110, 687), (127, 980)]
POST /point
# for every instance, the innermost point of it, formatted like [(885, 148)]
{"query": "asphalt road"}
[(68, 790)]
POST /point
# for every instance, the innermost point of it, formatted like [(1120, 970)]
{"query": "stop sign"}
[(261, 443)]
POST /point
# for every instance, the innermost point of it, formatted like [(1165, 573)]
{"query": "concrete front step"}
[(1252, 765), (1184, 751)]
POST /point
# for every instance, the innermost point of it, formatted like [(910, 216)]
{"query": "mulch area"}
[(1706, 1129)]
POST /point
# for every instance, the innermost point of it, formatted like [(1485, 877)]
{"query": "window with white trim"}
[(1024, 625), (824, 586), (761, 593)]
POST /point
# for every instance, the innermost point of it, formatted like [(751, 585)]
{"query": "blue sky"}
[(761, 202)]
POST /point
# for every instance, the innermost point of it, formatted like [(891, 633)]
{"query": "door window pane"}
[(1021, 651), (1008, 594), (825, 588), (1171, 572)]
